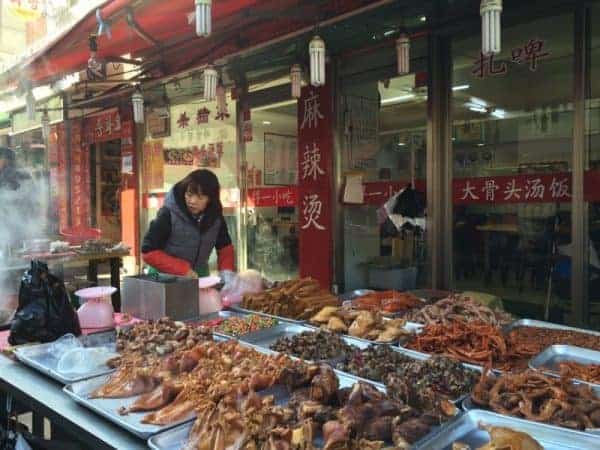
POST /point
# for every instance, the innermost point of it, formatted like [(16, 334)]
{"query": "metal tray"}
[(175, 438), (39, 358), (468, 405), (225, 315), (466, 429), (541, 324), (259, 313), (550, 358), (267, 337)]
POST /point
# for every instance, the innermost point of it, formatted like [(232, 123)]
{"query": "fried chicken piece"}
[(325, 315), (505, 438), (362, 324), (324, 386), (336, 325)]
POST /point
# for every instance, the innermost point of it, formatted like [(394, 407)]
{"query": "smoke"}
[(23, 217)]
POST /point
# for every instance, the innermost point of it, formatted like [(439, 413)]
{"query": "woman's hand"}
[(191, 274)]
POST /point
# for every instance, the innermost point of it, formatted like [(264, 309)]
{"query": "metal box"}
[(152, 297)]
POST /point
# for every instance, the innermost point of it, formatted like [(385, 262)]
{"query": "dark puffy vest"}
[(186, 241)]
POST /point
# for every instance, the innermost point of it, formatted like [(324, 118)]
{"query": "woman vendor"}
[(187, 229)]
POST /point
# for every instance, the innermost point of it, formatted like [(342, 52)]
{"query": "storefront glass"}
[(198, 138), (512, 140), (272, 215), (592, 191), (384, 120)]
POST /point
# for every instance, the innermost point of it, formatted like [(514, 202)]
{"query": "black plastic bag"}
[(44, 313)]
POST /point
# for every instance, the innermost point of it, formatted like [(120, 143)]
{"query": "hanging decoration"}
[(30, 105), (45, 124), (211, 77), (137, 100), (316, 50), (103, 25), (203, 17), (222, 112), (491, 11), (403, 54), (296, 80), (96, 70)]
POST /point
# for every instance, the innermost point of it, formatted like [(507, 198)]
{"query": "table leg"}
[(115, 281), (92, 275)]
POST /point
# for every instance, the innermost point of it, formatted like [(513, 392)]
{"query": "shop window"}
[(199, 137), (384, 129), (512, 141), (272, 229), (592, 191)]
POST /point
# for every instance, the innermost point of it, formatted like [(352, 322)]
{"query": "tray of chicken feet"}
[(370, 326), (318, 409), (148, 396), (410, 375), (534, 396), (580, 364), (484, 430)]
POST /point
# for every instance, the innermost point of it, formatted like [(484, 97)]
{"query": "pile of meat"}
[(239, 326), (357, 418), (314, 346), (171, 388), (585, 372), (462, 309), (296, 299), (387, 302), (362, 324), (532, 395), (472, 342), (157, 338)]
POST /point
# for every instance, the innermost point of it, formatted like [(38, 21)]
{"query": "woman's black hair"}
[(203, 182)]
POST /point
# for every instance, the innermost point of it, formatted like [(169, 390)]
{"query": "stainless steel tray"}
[(267, 337), (225, 315), (259, 313), (107, 408), (175, 438), (466, 429), (550, 358), (541, 324), (468, 405), (39, 358)]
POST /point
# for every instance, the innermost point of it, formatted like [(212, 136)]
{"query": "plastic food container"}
[(209, 299), (97, 311)]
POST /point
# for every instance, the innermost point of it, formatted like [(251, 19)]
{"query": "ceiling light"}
[(266, 122), (397, 99), (479, 109), (499, 113), (423, 18), (401, 144), (461, 87), (389, 33), (316, 50), (481, 144)]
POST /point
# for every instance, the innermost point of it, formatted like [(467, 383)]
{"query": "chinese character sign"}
[(315, 142), (80, 180), (529, 54), (102, 127), (530, 188)]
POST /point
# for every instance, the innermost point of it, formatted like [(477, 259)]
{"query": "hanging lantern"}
[(203, 17), (45, 124), (316, 50), (30, 105), (211, 77), (296, 80), (403, 54), (137, 100), (490, 26)]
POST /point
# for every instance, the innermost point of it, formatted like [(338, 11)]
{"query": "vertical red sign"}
[(80, 179), (315, 147)]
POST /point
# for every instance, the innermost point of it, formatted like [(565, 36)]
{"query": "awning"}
[(168, 36)]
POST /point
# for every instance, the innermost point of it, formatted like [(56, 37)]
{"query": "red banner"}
[(284, 196), (57, 160), (528, 188), (80, 180), (315, 146), (102, 127)]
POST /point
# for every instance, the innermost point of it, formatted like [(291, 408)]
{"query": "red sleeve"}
[(166, 263), (226, 258)]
